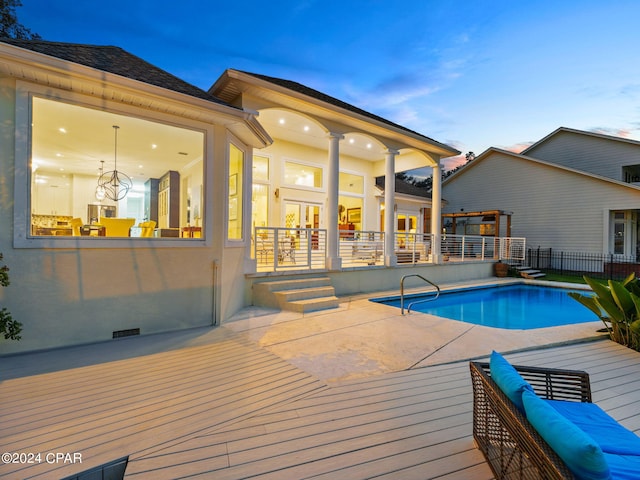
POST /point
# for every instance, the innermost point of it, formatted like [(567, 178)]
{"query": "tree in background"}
[(9, 25), (427, 182)]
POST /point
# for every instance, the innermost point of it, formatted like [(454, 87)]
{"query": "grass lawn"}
[(555, 277)]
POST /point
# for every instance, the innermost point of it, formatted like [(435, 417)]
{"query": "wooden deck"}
[(230, 410)]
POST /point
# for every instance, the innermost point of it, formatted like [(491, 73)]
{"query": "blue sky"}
[(473, 74)]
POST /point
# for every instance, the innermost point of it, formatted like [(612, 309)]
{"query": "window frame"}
[(22, 237), (293, 186)]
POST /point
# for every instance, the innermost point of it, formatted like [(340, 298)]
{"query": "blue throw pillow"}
[(508, 379), (579, 452)]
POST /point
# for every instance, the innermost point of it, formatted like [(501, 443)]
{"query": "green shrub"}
[(9, 327), (617, 304)]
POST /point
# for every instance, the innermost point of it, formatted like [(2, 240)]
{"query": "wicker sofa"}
[(516, 449)]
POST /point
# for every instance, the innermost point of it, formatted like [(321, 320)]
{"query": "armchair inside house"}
[(117, 227), (147, 228), (76, 223)]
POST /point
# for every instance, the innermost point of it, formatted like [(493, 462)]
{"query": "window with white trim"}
[(96, 173)]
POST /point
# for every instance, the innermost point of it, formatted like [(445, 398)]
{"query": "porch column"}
[(436, 212), (390, 259), (333, 260)]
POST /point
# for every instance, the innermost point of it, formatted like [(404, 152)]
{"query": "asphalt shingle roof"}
[(113, 60), (405, 188)]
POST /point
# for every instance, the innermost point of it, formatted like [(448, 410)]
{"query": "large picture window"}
[(100, 174)]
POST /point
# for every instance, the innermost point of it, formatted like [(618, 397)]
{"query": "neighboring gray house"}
[(573, 191)]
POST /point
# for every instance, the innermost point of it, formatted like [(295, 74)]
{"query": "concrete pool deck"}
[(363, 338)]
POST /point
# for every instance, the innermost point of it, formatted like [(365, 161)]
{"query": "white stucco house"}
[(572, 191), (132, 202)]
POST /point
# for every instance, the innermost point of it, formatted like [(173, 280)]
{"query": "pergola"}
[(486, 215)]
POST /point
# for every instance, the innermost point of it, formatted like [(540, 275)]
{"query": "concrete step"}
[(531, 273), (304, 293), (300, 294), (292, 284), (313, 304)]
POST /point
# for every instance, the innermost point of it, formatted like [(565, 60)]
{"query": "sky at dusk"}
[(472, 74)]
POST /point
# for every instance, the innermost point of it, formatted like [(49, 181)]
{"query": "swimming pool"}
[(515, 307)]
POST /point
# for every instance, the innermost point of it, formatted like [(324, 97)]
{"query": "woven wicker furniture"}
[(512, 447)]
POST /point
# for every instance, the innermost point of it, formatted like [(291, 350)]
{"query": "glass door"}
[(407, 224)]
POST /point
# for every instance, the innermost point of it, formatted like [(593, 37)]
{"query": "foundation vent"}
[(126, 333)]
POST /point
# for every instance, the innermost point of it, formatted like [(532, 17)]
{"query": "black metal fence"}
[(595, 265)]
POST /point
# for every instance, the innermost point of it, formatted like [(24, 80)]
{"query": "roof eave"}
[(412, 138)]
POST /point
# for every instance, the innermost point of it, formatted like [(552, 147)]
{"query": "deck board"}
[(231, 410)]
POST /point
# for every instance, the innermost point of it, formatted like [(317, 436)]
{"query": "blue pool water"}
[(517, 307)]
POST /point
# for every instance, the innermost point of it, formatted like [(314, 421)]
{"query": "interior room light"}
[(62, 130), (281, 121), (116, 184), (100, 191), (306, 128)]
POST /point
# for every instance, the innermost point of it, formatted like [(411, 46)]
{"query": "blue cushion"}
[(623, 467), (508, 379), (579, 452), (605, 431)]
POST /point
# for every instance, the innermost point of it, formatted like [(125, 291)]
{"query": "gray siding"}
[(600, 156), (551, 207)]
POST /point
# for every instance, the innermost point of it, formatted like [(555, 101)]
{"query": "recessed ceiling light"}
[(368, 145), (306, 128), (139, 166), (351, 141), (281, 121), (59, 155), (62, 130), (153, 146)]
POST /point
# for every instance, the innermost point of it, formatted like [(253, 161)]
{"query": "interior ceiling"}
[(69, 139)]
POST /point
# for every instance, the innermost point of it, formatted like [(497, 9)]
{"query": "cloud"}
[(517, 147), (614, 132)]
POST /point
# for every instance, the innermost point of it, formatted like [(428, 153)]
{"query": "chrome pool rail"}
[(418, 301)]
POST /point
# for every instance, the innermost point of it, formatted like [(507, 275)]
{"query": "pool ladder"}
[(418, 301)]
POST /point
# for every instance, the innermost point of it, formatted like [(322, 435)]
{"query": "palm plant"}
[(617, 304)]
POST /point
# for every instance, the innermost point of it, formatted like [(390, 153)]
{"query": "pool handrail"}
[(418, 301)]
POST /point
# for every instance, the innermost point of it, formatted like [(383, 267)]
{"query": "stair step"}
[(534, 275), (293, 284), (312, 304), (304, 293)]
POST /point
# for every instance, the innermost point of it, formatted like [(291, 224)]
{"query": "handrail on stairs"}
[(418, 301)]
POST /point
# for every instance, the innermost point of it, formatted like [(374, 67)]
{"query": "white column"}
[(436, 211), (333, 261), (390, 259)]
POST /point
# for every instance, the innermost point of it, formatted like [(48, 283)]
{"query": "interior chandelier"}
[(114, 185)]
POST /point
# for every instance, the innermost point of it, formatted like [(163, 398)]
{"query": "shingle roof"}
[(310, 92), (113, 60), (405, 188)]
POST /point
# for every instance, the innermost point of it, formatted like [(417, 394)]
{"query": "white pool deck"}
[(356, 392)]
